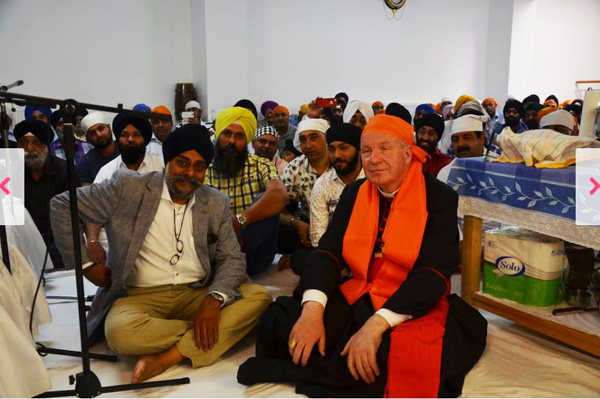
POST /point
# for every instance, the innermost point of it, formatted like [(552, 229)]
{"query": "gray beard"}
[(34, 160)]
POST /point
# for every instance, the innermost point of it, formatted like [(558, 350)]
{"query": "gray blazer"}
[(126, 205)]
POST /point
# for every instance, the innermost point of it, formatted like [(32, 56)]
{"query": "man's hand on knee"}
[(362, 349), (98, 274), (308, 330), (206, 323)]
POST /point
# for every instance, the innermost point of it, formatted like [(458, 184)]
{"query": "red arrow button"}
[(3, 184)]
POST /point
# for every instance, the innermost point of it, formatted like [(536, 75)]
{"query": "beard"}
[(345, 168), (181, 193), (229, 160), (132, 155), (103, 143), (36, 160), (429, 146), (512, 121)]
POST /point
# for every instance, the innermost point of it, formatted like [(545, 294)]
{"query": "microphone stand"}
[(87, 384)]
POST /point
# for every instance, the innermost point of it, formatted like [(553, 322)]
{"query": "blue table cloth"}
[(550, 191)]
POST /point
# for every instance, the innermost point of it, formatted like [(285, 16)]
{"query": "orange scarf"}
[(414, 361)]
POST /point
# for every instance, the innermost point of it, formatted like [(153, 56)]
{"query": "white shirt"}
[(324, 198), (154, 147), (152, 266), (151, 163)]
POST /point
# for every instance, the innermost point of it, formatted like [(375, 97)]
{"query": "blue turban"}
[(44, 110), (141, 107), (425, 107)]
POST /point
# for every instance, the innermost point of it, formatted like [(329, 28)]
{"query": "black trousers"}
[(464, 342)]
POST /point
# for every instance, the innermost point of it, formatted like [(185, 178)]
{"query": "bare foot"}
[(150, 366), (285, 262)]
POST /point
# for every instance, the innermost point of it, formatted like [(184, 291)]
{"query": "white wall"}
[(97, 51), (298, 50), (566, 46)]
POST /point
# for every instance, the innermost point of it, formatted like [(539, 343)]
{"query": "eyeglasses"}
[(175, 258)]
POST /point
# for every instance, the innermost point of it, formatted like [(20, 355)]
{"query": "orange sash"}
[(415, 353)]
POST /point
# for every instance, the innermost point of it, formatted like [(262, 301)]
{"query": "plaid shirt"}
[(243, 189)]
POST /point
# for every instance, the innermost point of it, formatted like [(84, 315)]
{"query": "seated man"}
[(172, 286), (429, 130), (281, 122), (45, 176), (160, 131), (99, 134), (358, 113), (265, 144), (256, 195), (402, 334), (343, 142), (560, 121)]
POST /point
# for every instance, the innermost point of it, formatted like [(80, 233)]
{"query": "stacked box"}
[(524, 266)]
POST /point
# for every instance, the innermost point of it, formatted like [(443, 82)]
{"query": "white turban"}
[(91, 119), (560, 117), (468, 123), (320, 125), (192, 104), (356, 105), (445, 100)]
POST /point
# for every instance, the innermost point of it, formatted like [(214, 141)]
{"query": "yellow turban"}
[(238, 115)]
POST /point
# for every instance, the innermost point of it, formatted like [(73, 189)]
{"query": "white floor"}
[(517, 362)]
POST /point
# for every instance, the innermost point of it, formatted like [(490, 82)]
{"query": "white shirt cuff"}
[(86, 265), (316, 296), (393, 318), (225, 297)]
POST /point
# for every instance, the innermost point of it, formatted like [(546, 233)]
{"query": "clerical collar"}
[(387, 195)]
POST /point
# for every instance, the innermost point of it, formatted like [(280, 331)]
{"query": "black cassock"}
[(466, 330)]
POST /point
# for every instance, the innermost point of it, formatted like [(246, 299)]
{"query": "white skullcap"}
[(559, 117), (468, 123), (445, 100), (91, 119), (192, 104), (356, 105), (320, 125)]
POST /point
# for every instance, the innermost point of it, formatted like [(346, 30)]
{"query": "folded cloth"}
[(541, 148)]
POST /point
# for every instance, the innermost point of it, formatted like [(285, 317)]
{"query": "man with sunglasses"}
[(99, 134), (172, 287)]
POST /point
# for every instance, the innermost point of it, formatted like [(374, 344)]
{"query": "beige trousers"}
[(151, 320)]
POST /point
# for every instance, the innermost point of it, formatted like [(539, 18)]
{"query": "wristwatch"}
[(218, 297), (241, 219)]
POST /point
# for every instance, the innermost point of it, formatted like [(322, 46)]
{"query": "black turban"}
[(121, 121), (38, 128), (56, 117), (552, 97), (192, 136), (574, 108), (346, 132), (532, 98), (432, 120), (516, 104), (533, 107), (399, 111), (249, 105)]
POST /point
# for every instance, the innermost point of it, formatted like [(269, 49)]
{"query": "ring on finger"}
[(292, 343)]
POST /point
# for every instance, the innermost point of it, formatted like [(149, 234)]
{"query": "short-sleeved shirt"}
[(243, 189), (323, 200), (299, 178), (92, 162)]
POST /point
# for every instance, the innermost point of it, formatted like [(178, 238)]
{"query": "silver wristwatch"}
[(241, 219)]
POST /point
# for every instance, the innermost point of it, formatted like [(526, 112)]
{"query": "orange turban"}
[(161, 109), (490, 100), (545, 111), (461, 100), (281, 108), (437, 108), (550, 103), (397, 127)]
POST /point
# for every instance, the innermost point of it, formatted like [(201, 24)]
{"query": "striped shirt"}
[(243, 189)]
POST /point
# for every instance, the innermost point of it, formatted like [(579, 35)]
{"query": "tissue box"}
[(524, 266)]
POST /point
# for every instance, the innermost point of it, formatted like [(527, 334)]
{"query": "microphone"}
[(10, 86)]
